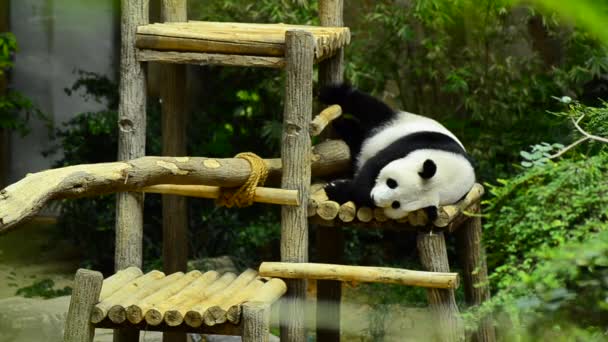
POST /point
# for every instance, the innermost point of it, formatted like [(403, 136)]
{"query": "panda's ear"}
[(428, 169)]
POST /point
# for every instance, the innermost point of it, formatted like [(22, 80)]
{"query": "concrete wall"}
[(57, 38)]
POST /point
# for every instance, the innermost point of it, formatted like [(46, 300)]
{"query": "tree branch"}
[(26, 197)]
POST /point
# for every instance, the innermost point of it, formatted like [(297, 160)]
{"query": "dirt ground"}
[(26, 256)]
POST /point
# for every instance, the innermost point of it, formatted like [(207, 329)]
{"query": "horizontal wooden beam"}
[(201, 58), (29, 195), (362, 274), (262, 194)]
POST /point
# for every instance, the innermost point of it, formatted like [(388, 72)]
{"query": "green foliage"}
[(544, 207), (487, 69), (15, 109), (592, 15), (43, 288), (546, 236), (8, 46)]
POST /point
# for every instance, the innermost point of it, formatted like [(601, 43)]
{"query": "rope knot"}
[(244, 195)]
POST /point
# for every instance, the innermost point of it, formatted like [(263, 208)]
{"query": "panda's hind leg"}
[(370, 111)]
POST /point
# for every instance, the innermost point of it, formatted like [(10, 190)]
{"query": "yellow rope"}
[(243, 196)]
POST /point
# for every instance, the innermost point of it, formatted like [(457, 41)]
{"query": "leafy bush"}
[(15, 109), (546, 239)]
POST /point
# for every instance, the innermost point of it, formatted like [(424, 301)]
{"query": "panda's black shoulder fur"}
[(370, 111)]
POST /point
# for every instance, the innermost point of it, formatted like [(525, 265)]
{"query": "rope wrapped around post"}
[(245, 194)]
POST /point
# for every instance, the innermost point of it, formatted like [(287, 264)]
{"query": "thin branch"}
[(586, 137), (569, 147), (590, 136)]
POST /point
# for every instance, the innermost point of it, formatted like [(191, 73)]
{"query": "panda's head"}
[(405, 185)]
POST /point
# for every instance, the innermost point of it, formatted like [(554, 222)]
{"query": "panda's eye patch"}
[(391, 183), (395, 205)]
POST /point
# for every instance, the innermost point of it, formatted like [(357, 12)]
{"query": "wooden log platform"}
[(228, 38), (324, 212), (155, 300)]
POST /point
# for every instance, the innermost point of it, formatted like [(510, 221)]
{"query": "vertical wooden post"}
[(131, 144), (256, 322), (330, 240), (131, 134), (4, 134), (295, 156), (475, 272), (87, 287), (434, 258), (173, 92)]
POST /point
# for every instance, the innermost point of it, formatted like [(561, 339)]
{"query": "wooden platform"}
[(329, 213), (193, 301), (202, 42)]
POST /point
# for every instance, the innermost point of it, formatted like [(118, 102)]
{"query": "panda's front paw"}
[(431, 212), (339, 190)]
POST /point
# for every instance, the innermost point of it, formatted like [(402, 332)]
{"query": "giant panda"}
[(402, 162)]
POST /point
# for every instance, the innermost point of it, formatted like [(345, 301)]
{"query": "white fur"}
[(453, 179), (404, 124)]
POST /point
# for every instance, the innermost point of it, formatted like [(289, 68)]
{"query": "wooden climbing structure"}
[(174, 301)]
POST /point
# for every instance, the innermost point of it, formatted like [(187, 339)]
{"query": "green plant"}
[(15, 109), (43, 288), (546, 232)]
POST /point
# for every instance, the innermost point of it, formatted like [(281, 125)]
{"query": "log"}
[(270, 292), (295, 149), (118, 280), (137, 311), (475, 273), (365, 214), (328, 210), (175, 316), (186, 298), (29, 195), (87, 287), (101, 309), (218, 314), (118, 312), (364, 274), (324, 118), (256, 322), (379, 215), (201, 58), (174, 122), (194, 316), (262, 194), (434, 258), (448, 213), (347, 212), (131, 135)]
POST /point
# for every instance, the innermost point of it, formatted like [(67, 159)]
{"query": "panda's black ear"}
[(428, 169)]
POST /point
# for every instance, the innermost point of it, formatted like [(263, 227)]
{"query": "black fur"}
[(428, 169), (369, 112), (359, 188)]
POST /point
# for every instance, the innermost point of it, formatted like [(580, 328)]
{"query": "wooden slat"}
[(199, 58), (438, 280), (164, 43), (262, 194), (236, 38)]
